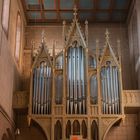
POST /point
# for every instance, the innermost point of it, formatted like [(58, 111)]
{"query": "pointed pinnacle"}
[(107, 35), (75, 11), (42, 36)]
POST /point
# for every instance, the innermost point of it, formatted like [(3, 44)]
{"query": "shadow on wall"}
[(124, 130), (34, 132), (8, 135)]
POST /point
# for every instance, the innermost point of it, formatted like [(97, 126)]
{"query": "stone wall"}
[(10, 71)]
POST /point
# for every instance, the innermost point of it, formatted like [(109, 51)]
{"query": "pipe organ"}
[(76, 85), (42, 88), (76, 82)]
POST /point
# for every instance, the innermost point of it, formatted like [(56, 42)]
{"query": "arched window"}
[(5, 14), (18, 38)]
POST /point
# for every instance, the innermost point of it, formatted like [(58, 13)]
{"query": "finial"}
[(75, 11), (97, 41), (43, 36), (97, 48), (119, 49), (107, 35), (64, 22), (97, 44), (118, 41), (86, 22)]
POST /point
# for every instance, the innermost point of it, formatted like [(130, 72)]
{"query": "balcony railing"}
[(20, 100), (131, 98)]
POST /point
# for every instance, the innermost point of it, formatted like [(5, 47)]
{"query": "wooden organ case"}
[(77, 91)]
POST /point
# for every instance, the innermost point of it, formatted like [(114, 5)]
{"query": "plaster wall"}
[(10, 71)]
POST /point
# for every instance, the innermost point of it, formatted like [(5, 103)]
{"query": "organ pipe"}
[(93, 89), (110, 89), (76, 103), (42, 89)]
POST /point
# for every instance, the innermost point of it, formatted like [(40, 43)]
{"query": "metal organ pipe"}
[(93, 89), (42, 89), (110, 89), (45, 89), (34, 89), (79, 81), (75, 80), (72, 81), (37, 83), (117, 89), (58, 89)]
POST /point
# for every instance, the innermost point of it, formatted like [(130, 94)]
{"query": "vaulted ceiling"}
[(54, 11)]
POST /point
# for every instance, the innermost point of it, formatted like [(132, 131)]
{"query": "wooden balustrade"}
[(94, 110), (20, 100), (58, 109), (131, 98)]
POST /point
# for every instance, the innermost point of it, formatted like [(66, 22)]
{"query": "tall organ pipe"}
[(34, 86), (75, 80), (42, 87), (37, 83), (45, 89), (83, 82), (117, 89), (68, 81), (79, 81)]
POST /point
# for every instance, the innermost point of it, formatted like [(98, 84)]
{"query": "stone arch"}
[(58, 131), (76, 127), (110, 126), (94, 131), (68, 129), (84, 129)]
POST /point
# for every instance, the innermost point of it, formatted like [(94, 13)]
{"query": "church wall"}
[(134, 43), (10, 71), (96, 31), (126, 130)]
